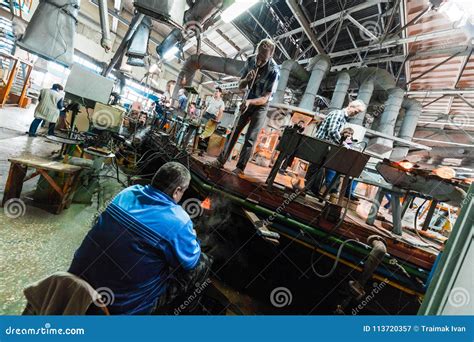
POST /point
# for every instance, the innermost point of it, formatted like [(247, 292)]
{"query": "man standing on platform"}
[(260, 76)]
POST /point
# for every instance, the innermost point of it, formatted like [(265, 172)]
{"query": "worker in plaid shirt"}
[(334, 122), (330, 130)]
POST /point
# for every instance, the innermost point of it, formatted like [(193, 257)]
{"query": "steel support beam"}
[(301, 18), (433, 68), (334, 16)]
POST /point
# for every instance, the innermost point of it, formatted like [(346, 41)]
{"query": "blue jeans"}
[(34, 127), (330, 174)]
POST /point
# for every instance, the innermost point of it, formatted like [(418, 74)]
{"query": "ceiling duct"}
[(106, 41), (387, 121), (319, 67), (51, 30), (407, 129), (226, 66), (340, 91), (193, 21), (289, 68), (167, 11)]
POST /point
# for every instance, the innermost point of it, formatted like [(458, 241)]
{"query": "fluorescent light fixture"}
[(171, 53), (236, 9)]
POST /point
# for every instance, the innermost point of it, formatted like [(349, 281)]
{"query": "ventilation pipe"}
[(370, 80), (365, 94), (138, 47), (407, 129), (194, 19), (340, 91), (387, 121), (136, 21), (320, 66), (288, 68), (106, 41), (50, 32), (227, 66)]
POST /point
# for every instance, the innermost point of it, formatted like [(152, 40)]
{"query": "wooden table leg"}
[(14, 184)]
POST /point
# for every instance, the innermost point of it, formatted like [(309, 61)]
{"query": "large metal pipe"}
[(366, 90), (387, 121), (288, 68), (320, 66), (194, 20), (136, 21), (340, 91), (407, 129), (227, 66), (106, 41)]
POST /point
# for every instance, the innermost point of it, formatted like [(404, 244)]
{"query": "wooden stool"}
[(17, 176)]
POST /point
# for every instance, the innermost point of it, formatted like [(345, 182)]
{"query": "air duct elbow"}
[(227, 66), (287, 69)]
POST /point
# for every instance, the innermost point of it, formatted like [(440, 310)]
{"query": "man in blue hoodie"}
[(143, 248)]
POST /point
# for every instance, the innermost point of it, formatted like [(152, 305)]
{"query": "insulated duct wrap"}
[(227, 66), (288, 68), (50, 32), (407, 129), (340, 91), (387, 121), (319, 67), (167, 11), (138, 47)]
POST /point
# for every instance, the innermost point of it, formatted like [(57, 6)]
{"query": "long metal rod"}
[(463, 66), (301, 18), (136, 21), (332, 17)]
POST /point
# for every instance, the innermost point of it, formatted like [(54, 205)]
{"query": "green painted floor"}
[(37, 243)]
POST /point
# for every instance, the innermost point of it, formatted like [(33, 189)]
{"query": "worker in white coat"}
[(48, 108)]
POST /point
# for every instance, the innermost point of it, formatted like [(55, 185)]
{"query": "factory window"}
[(87, 64)]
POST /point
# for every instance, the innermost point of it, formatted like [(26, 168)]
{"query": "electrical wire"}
[(336, 262)]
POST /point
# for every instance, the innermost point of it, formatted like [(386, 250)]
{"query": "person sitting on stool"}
[(48, 108)]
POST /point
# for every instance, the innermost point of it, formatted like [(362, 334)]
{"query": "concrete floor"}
[(37, 243)]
